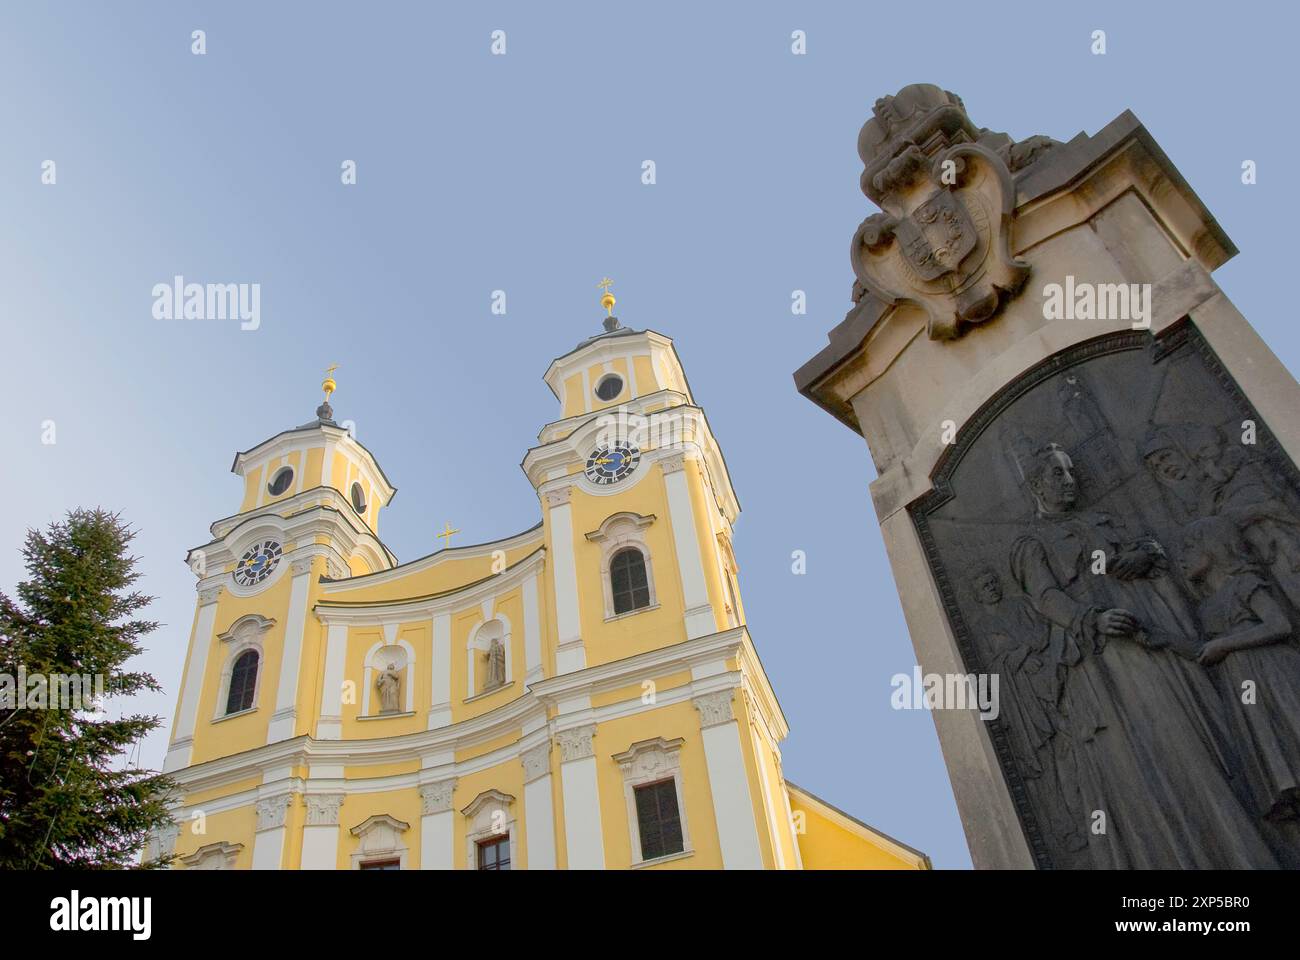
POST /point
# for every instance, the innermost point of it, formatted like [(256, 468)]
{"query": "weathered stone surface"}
[(1120, 689)]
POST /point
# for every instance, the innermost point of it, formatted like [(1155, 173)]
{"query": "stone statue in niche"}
[(389, 684), (1134, 567), (495, 675)]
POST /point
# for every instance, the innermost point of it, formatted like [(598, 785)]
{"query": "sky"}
[(522, 173)]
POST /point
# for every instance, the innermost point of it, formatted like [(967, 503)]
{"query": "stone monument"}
[(1086, 485)]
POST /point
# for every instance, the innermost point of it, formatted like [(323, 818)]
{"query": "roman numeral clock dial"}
[(612, 463)]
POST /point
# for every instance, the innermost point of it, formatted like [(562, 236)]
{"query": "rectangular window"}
[(658, 819), (494, 854), (382, 865)]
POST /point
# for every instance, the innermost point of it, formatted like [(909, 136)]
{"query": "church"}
[(584, 694)]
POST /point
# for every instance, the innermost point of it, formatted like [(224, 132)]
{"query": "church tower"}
[(582, 694)]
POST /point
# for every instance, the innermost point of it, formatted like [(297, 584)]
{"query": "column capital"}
[(323, 809), (271, 811), (576, 743), (536, 761), (559, 496), (436, 797), (715, 707), (672, 462)]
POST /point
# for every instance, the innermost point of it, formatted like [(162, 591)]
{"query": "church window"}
[(280, 482), (381, 865), (656, 806), (609, 387), (243, 682), (658, 819), (628, 582), (494, 854), (358, 498)]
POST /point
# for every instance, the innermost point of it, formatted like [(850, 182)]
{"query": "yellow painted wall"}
[(615, 736), (832, 841)]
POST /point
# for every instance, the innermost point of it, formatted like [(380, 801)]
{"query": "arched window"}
[(627, 580), (243, 682)]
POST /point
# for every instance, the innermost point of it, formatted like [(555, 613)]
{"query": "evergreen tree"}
[(66, 798)]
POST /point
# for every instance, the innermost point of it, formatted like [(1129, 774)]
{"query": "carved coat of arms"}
[(942, 240)]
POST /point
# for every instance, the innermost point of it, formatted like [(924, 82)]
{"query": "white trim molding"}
[(733, 809), (320, 835), (381, 839), (437, 825), (642, 764), (213, 856), (619, 531), (479, 642), (488, 816), (244, 634), (539, 806), (374, 664), (582, 825)]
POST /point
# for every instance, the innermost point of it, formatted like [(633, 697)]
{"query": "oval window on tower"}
[(358, 498), (280, 482), (609, 387)]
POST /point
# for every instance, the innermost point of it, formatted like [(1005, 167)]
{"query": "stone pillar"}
[(532, 630), (582, 826), (1038, 359), (178, 753), (330, 725), (284, 720), (437, 825), (440, 698), (695, 591), (569, 652), (320, 837), (733, 809), (268, 842), (539, 810)]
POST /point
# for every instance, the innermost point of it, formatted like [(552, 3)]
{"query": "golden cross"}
[(446, 533), (607, 300)]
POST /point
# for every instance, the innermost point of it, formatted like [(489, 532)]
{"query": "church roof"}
[(324, 418)]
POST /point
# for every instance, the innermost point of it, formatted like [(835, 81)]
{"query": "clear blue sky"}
[(522, 173)]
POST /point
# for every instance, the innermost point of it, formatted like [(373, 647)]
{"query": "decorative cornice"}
[(490, 796), (536, 761), (715, 708), (226, 851), (417, 608), (702, 656), (323, 809), (380, 819), (436, 797), (250, 623), (271, 811), (576, 742)]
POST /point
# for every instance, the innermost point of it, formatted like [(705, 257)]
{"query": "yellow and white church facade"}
[(581, 695)]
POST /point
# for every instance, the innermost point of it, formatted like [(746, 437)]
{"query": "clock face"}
[(257, 563), (612, 463)]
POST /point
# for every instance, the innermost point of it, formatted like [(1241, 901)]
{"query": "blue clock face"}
[(257, 563), (611, 463)]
